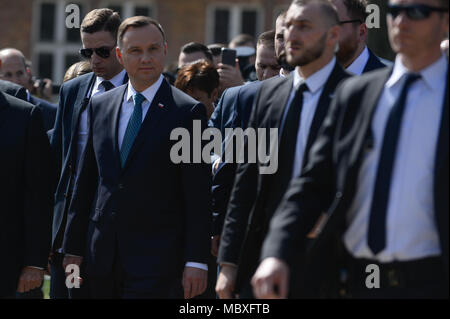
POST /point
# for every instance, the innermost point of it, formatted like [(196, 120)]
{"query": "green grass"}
[(46, 287)]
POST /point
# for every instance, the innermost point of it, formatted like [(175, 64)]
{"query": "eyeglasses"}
[(350, 21), (103, 52), (413, 11)]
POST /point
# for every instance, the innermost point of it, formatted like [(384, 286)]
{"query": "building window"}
[(128, 9), (226, 21)]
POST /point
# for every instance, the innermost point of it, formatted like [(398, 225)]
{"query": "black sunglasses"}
[(103, 52), (413, 11), (350, 21)]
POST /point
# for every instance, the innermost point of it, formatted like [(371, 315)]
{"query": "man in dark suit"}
[(297, 105), (140, 220), (13, 90), (25, 196), (98, 35), (353, 54), (13, 68), (240, 102), (381, 161)]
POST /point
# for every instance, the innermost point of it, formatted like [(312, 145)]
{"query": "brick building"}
[(38, 27)]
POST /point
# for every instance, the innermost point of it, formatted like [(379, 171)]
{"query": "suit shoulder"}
[(182, 99), (364, 81), (76, 82), (16, 105)]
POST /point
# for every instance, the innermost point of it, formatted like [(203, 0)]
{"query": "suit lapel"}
[(3, 106), (368, 105), (322, 107), (278, 110), (114, 129), (153, 119), (79, 101), (442, 147)]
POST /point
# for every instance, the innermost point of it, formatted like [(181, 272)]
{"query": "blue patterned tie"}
[(133, 128)]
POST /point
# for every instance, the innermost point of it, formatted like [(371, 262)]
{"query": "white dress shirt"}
[(125, 115), (411, 230), (83, 124), (358, 66), (315, 83)]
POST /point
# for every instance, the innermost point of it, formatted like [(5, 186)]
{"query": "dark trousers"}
[(58, 288), (210, 292), (418, 279)]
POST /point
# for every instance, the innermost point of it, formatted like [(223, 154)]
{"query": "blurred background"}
[(38, 29)]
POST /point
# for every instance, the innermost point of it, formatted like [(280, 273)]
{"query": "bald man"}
[(13, 68)]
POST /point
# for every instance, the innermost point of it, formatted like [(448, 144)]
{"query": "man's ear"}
[(333, 34), (363, 31), (119, 55), (165, 48)]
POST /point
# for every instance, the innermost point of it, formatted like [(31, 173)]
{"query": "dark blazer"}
[(13, 89), (25, 191), (222, 116), (241, 101), (155, 214), (255, 197), (72, 101), (48, 111), (328, 185), (373, 63)]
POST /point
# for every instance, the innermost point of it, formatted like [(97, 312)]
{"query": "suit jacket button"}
[(338, 195), (120, 186)]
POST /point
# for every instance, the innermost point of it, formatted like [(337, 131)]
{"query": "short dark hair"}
[(138, 22), (193, 47), (101, 20), (200, 75), (242, 39), (216, 48), (328, 9), (356, 9), (267, 39)]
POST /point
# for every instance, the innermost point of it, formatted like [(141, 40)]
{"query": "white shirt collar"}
[(432, 75), (117, 80), (316, 80), (357, 67), (149, 93)]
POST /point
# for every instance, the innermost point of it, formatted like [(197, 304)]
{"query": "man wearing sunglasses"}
[(98, 35), (380, 171), (353, 54)]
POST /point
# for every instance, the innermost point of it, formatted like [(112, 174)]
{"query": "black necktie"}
[(377, 224), (107, 85), (288, 142)]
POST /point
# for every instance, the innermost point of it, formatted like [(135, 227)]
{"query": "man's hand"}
[(226, 281), (229, 76), (194, 281), (30, 278), (271, 279), (72, 260), (215, 240)]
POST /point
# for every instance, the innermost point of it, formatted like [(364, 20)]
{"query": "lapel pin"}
[(160, 105)]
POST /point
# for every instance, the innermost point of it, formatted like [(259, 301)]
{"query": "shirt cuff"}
[(197, 265), (40, 268), (69, 255)]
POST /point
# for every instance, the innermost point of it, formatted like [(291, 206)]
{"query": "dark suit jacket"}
[(374, 63), (223, 114), (25, 191), (13, 89), (255, 197), (152, 214), (72, 101), (48, 111), (241, 101), (331, 177)]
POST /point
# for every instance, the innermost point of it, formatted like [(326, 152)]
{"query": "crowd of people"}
[(362, 154)]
